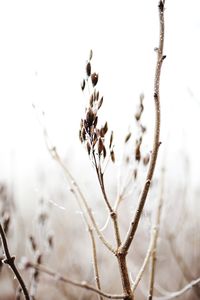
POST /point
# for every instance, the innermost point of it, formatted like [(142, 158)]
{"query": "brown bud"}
[(80, 136), (105, 128), (83, 134), (127, 137), (94, 78), (111, 139), (146, 159), (97, 96), (91, 54), (33, 243), (95, 121), (91, 100), (112, 155), (83, 84), (104, 152), (100, 146), (90, 117), (100, 102), (88, 69), (88, 148)]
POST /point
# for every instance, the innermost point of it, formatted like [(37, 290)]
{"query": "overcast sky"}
[(43, 49)]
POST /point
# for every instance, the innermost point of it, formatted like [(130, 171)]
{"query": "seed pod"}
[(137, 151), (146, 159), (88, 69), (95, 121), (88, 148), (105, 128), (80, 136), (112, 155), (104, 152), (91, 100), (33, 243), (94, 78), (97, 96), (100, 146), (90, 117), (100, 102), (135, 172), (91, 54), (101, 132), (127, 137), (83, 134), (111, 139), (83, 84)]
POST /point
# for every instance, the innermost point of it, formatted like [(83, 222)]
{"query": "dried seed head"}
[(88, 69), (94, 78), (127, 137)]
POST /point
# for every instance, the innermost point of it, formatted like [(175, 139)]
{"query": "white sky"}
[(43, 49)]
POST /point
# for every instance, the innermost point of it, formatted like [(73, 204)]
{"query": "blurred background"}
[(44, 48)]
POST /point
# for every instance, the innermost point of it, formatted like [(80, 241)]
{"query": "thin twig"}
[(10, 260), (156, 142), (95, 262), (155, 233), (192, 284), (77, 191), (83, 284)]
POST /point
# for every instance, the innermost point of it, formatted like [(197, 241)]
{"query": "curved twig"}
[(10, 260)]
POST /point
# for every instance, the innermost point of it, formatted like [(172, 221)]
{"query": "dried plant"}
[(98, 140)]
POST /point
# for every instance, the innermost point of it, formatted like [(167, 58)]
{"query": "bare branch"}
[(10, 260), (192, 284), (153, 240), (83, 284), (156, 142)]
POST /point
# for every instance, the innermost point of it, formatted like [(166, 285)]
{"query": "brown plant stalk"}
[(123, 249), (10, 260)]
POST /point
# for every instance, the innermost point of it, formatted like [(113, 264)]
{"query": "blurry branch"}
[(75, 189), (191, 285), (151, 252), (182, 264), (83, 284), (155, 233), (10, 260), (156, 142), (77, 193), (95, 262)]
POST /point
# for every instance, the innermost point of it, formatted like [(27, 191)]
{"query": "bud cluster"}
[(90, 132)]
